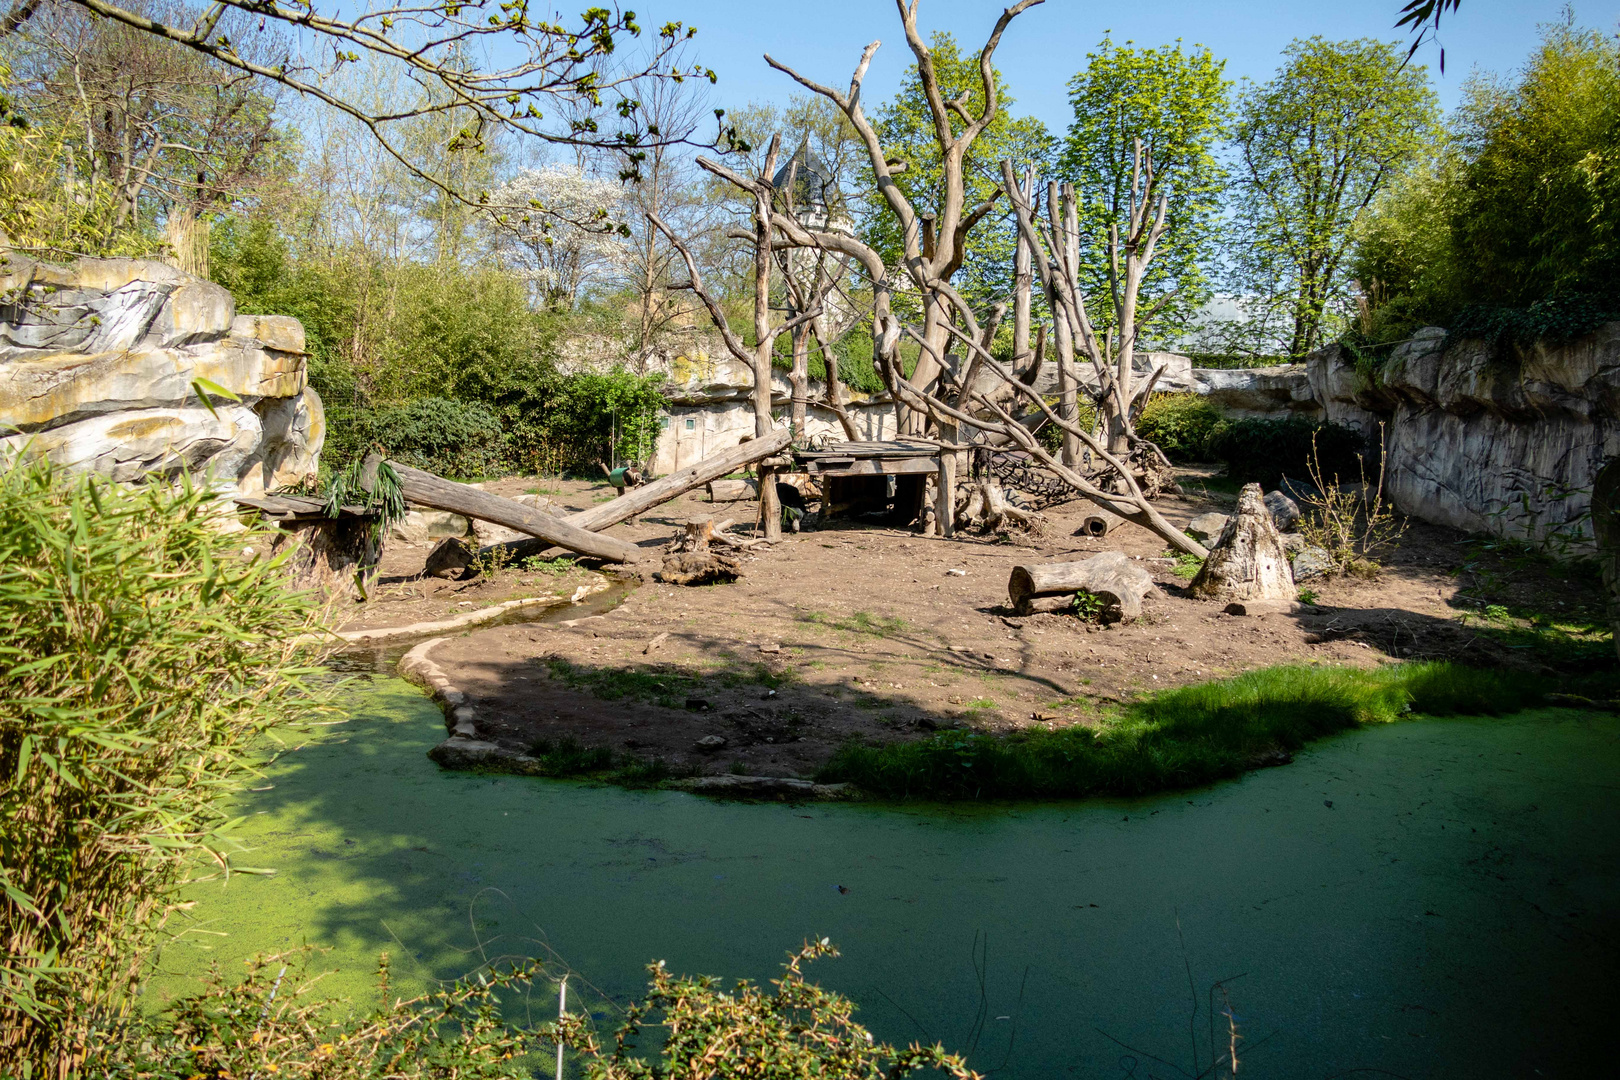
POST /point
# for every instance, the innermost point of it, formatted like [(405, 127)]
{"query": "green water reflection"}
[(1451, 913)]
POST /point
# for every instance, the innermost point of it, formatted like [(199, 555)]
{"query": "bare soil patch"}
[(878, 634)]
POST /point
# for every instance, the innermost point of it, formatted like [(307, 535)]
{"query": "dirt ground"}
[(853, 631)]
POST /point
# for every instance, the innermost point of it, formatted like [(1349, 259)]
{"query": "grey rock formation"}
[(101, 362), (1486, 438), (1205, 528), (1258, 391), (1312, 562), (1284, 511)]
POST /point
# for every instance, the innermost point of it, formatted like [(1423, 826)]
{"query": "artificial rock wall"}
[(98, 361), (1497, 440)]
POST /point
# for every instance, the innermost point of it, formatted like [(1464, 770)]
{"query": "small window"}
[(691, 425), (663, 423)]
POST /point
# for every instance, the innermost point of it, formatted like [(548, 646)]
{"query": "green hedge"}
[(1182, 425)]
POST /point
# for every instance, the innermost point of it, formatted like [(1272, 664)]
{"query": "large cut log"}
[(1111, 576), (425, 489), (679, 482), (1248, 560)]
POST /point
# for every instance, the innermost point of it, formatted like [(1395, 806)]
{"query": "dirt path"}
[(857, 632)]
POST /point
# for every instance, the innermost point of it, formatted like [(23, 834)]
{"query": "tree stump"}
[(1112, 577), (689, 560), (1248, 560)]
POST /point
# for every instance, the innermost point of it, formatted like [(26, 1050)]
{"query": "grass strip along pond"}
[(1438, 890)]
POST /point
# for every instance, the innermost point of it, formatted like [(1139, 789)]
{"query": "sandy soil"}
[(863, 632)]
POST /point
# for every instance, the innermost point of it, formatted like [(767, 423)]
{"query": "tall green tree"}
[(906, 127), (1313, 147), (1538, 194), (1175, 102)]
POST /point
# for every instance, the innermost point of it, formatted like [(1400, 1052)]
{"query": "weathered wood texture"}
[(644, 498), (1248, 560), (1112, 576), (733, 490), (1099, 522), (425, 489)]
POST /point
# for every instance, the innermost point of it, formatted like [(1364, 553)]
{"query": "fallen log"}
[(425, 489), (679, 482), (1111, 576), (1099, 522)]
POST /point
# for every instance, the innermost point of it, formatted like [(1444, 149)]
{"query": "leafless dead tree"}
[(934, 246), (540, 64)]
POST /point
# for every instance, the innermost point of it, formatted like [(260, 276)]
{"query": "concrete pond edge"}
[(465, 751)]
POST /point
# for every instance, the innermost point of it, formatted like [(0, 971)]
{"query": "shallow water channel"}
[(1432, 898)]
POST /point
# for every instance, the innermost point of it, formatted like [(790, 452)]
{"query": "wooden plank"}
[(945, 496), (441, 494), (881, 467), (637, 500)]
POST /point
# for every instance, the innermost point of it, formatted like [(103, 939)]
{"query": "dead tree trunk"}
[(425, 489), (639, 500)]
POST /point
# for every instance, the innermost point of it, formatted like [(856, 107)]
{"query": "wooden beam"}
[(637, 500), (425, 489), (945, 495)]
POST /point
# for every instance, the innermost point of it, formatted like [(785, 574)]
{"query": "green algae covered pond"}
[(1431, 898)]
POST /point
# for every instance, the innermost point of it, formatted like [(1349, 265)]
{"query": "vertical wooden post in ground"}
[(770, 506), (945, 494)]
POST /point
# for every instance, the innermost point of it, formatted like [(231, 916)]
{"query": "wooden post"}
[(770, 505), (945, 494)]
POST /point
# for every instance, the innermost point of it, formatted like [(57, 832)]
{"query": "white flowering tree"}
[(573, 239)]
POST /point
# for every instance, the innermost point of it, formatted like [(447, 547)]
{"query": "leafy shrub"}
[(1181, 424), (1555, 320), (1263, 450), (451, 438), (140, 655), (1510, 230), (706, 1029), (589, 416)]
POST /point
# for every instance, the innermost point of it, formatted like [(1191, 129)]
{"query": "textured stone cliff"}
[(1489, 439), (99, 366)]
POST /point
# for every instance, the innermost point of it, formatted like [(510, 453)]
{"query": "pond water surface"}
[(1432, 898)]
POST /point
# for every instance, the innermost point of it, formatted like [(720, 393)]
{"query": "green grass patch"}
[(1187, 565), (567, 757), (1178, 738)]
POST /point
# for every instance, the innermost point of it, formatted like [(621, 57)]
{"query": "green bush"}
[(140, 654), (450, 438), (699, 1027), (1181, 424), (1179, 738), (1263, 450)]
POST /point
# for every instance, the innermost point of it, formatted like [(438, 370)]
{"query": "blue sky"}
[(1047, 44)]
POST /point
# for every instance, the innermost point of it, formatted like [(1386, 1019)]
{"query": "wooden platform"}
[(844, 467)]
